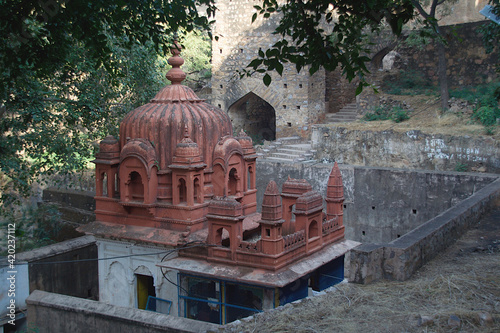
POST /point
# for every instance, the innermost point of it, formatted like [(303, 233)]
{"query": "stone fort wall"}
[(297, 100)]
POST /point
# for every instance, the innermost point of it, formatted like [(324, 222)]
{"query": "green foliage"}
[(419, 38), (484, 94), (486, 100), (408, 82), (69, 71), (34, 226), (487, 115), (460, 167), (197, 55), (305, 43), (397, 114), (490, 31), (52, 121), (380, 113)]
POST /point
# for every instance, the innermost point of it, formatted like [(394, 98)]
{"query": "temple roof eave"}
[(271, 279)]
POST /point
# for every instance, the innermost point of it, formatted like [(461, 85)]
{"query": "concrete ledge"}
[(399, 259), (55, 249), (49, 312)]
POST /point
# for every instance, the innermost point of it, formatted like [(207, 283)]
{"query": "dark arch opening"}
[(222, 237), (313, 229), (255, 116), (233, 182), (136, 187), (197, 191), (182, 190)]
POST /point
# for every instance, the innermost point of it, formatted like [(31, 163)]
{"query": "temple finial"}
[(175, 74)]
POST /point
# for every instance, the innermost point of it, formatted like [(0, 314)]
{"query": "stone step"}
[(348, 113), (341, 116), (298, 146), (286, 156), (291, 151), (351, 106), (289, 140), (278, 159), (288, 149)]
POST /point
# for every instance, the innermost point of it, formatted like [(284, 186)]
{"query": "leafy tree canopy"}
[(328, 34), (491, 30), (69, 69)]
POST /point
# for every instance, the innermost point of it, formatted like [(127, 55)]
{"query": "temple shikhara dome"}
[(177, 176), (174, 154)]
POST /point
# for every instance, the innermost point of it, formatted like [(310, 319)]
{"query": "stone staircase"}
[(288, 149), (347, 114)]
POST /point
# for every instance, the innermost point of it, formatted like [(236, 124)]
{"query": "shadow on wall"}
[(255, 116)]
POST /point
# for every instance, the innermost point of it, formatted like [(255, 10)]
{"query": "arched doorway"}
[(255, 116)]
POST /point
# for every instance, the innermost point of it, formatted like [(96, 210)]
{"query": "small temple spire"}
[(271, 203), (335, 189)]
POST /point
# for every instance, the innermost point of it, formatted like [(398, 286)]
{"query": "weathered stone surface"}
[(77, 279), (409, 150), (50, 312), (406, 254)]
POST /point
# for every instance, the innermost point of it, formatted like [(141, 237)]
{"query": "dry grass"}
[(463, 282), (427, 117)]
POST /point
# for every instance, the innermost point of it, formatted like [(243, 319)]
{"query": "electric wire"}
[(166, 252), (183, 247)]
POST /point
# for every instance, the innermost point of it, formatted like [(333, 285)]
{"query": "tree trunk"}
[(443, 80)]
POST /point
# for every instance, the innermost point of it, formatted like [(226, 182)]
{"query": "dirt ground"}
[(426, 116), (458, 291)]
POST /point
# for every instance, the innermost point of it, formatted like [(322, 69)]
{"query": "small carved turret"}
[(271, 222), (335, 195)]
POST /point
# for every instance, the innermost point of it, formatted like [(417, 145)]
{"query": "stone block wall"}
[(409, 150), (297, 98), (399, 259), (467, 61), (48, 312), (71, 278), (74, 205), (381, 204)]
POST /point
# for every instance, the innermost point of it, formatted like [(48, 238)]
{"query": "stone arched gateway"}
[(255, 116)]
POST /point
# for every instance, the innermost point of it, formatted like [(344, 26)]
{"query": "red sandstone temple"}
[(178, 179)]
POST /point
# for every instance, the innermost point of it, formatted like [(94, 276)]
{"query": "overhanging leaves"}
[(312, 38)]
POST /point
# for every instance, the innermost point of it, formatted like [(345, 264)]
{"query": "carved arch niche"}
[(138, 173), (235, 176)]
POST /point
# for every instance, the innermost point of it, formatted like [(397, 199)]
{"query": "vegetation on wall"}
[(408, 82), (486, 101), (429, 12), (35, 227), (327, 34), (383, 112)]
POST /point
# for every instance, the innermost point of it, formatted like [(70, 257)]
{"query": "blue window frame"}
[(158, 305), (218, 301)]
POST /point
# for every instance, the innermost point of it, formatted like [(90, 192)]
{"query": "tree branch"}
[(3, 109), (420, 9)]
